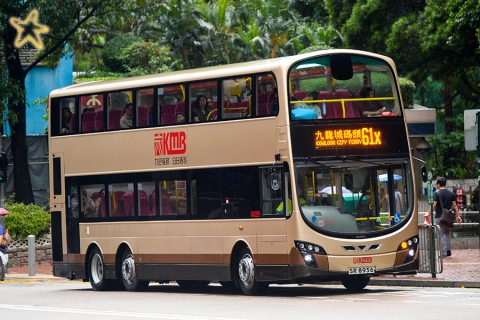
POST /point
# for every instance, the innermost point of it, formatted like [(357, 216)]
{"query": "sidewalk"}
[(461, 270)]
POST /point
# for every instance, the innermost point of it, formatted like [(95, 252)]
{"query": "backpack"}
[(6, 239)]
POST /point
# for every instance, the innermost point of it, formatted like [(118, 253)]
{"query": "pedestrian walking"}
[(3, 254), (444, 199)]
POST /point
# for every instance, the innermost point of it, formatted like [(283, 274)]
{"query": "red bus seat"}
[(114, 116), (350, 110), (99, 121), (88, 121), (142, 116), (166, 208), (128, 204), (168, 113), (153, 203), (300, 94), (144, 204), (180, 108)]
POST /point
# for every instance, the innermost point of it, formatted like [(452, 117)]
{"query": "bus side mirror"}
[(424, 174)]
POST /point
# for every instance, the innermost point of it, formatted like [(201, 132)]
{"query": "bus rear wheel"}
[(355, 283), (247, 277), (129, 274), (96, 271)]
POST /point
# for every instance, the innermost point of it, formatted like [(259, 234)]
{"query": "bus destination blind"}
[(356, 137)]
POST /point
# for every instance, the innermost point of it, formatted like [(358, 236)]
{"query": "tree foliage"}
[(432, 42), (110, 53), (63, 21)]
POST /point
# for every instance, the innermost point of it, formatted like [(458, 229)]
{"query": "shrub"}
[(408, 91), (25, 220), (112, 49)]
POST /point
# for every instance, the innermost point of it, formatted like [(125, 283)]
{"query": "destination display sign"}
[(348, 137)]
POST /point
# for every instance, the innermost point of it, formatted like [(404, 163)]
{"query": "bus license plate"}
[(361, 270)]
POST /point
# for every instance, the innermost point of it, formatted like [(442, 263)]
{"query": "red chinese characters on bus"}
[(362, 260), (169, 143)]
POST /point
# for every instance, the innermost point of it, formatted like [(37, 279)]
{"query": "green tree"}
[(63, 21), (142, 58), (444, 39), (434, 39), (111, 59)]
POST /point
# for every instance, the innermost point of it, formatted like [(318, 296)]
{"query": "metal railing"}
[(430, 257)]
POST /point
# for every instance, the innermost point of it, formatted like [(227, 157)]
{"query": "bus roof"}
[(199, 74)]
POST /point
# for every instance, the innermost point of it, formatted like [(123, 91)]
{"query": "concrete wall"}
[(18, 257)]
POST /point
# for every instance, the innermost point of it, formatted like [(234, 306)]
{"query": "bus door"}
[(271, 233)]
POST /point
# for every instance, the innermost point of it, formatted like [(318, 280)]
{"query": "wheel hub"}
[(128, 268), (97, 269), (246, 270)]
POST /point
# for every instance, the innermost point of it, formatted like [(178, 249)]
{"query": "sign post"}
[(432, 224)]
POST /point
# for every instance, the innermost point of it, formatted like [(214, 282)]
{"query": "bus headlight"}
[(307, 250), (411, 245)]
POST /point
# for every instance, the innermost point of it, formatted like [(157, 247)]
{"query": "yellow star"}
[(40, 28)]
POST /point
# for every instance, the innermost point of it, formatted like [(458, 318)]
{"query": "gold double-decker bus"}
[(289, 170)]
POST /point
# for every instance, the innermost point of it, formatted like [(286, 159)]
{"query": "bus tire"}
[(96, 271), (355, 283), (129, 274), (247, 277)]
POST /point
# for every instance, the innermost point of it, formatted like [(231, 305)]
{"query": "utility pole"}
[(432, 225)]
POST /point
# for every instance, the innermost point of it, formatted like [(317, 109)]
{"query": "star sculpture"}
[(38, 29)]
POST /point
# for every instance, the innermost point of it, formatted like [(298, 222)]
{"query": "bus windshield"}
[(354, 197), (342, 86)]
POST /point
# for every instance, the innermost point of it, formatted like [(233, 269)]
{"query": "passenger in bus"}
[(179, 118), (301, 200), (309, 97), (210, 103), (126, 121), (74, 205), (98, 201), (66, 117), (201, 110), (88, 205), (274, 103), (369, 108)]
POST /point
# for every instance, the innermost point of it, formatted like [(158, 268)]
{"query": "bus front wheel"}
[(129, 274), (246, 274), (355, 283)]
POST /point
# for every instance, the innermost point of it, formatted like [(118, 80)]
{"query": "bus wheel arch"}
[(245, 273), (234, 257)]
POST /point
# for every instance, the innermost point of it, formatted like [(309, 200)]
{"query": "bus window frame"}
[(156, 113)]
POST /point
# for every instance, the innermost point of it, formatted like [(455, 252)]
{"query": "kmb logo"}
[(169, 143)]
